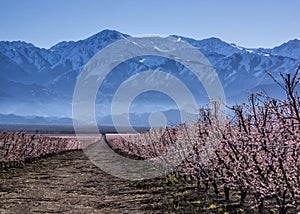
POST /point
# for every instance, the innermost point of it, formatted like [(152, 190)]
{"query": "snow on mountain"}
[(25, 54), (213, 46), (289, 49), (29, 73), (78, 53)]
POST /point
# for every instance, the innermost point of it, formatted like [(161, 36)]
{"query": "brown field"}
[(69, 183)]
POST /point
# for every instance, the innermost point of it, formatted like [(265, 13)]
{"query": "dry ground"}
[(70, 183)]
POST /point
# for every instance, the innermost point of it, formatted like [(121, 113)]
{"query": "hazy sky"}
[(249, 23)]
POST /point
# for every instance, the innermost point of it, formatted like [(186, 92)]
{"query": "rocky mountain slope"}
[(38, 81)]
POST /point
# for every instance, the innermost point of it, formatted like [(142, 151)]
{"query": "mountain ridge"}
[(49, 57), (30, 73)]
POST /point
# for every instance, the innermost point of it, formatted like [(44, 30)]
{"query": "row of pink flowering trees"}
[(16, 148), (258, 154), (261, 148)]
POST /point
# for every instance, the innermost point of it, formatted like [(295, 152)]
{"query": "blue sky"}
[(255, 23)]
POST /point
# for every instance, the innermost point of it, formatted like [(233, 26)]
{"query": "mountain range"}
[(40, 82)]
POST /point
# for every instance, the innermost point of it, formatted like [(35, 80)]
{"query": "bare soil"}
[(70, 183)]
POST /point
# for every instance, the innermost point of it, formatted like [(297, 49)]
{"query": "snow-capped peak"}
[(212, 45), (288, 49), (56, 69)]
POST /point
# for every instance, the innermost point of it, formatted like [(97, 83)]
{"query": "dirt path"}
[(70, 183)]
